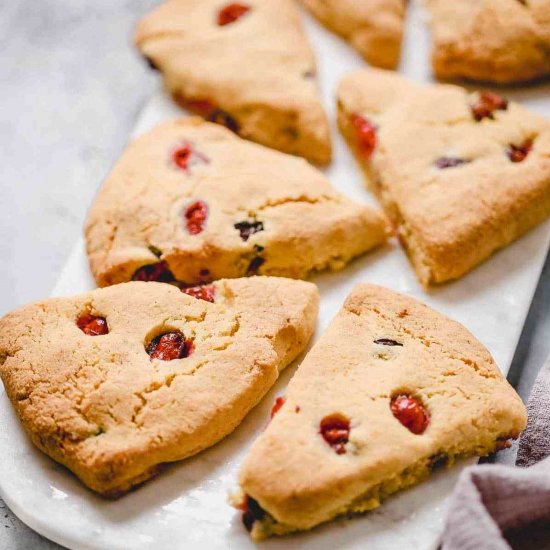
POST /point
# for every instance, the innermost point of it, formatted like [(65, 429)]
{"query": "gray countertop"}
[(72, 87)]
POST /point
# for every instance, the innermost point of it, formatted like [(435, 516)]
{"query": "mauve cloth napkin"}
[(490, 500)]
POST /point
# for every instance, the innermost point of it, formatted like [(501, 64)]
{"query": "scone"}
[(373, 27), (118, 381), (246, 65), (501, 41), (390, 391), (190, 202), (460, 174)]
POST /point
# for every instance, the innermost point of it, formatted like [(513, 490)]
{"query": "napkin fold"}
[(490, 501)]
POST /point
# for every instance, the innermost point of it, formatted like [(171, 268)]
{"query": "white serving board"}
[(186, 507)]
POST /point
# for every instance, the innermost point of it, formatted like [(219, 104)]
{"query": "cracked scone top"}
[(390, 390), (118, 381), (460, 174), (373, 27), (246, 65), (191, 202), (501, 41)]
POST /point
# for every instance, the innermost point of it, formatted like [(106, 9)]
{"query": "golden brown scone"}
[(247, 65), (391, 390), (460, 174), (500, 41), (100, 390), (373, 27), (191, 202)]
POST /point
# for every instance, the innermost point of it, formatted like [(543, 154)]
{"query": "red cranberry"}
[(169, 346), (158, 272), (200, 106), (92, 325), (252, 512), (487, 103), (411, 413), (185, 155), (518, 153), (365, 134), (450, 162), (204, 292), (247, 228), (335, 430), (195, 216), (279, 402), (230, 13)]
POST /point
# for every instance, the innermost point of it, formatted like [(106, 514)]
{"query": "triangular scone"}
[(118, 381), (391, 390), (460, 174), (373, 27), (247, 65), (491, 40), (192, 202)]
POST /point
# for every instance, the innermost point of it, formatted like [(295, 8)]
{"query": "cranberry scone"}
[(116, 382), (391, 390), (246, 65), (373, 27), (460, 174), (190, 202), (500, 41)]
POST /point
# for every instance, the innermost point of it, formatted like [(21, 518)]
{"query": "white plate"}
[(186, 506)]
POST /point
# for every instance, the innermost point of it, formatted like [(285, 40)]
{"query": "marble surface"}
[(71, 92)]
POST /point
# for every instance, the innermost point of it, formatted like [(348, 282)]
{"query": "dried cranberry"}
[(200, 106), (279, 402), (248, 228), (335, 430), (221, 117), (518, 153), (254, 265), (158, 272), (185, 155), (195, 216), (92, 325), (204, 292), (169, 346), (410, 412), (365, 134), (232, 12), (252, 512), (387, 342), (487, 103), (450, 162)]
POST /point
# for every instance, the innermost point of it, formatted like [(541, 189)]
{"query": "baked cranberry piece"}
[(203, 292), (158, 272), (279, 402), (185, 155), (252, 512), (335, 430), (487, 104), (230, 13), (247, 228), (410, 412), (92, 325), (365, 134), (450, 162), (221, 117), (195, 216), (387, 342), (170, 346), (518, 153)]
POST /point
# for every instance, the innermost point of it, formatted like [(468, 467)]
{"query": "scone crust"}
[(260, 70), (448, 220), (138, 216), (100, 406), (373, 27), (503, 41), (300, 481)]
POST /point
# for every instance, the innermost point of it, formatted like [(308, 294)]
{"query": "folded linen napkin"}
[(491, 500)]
